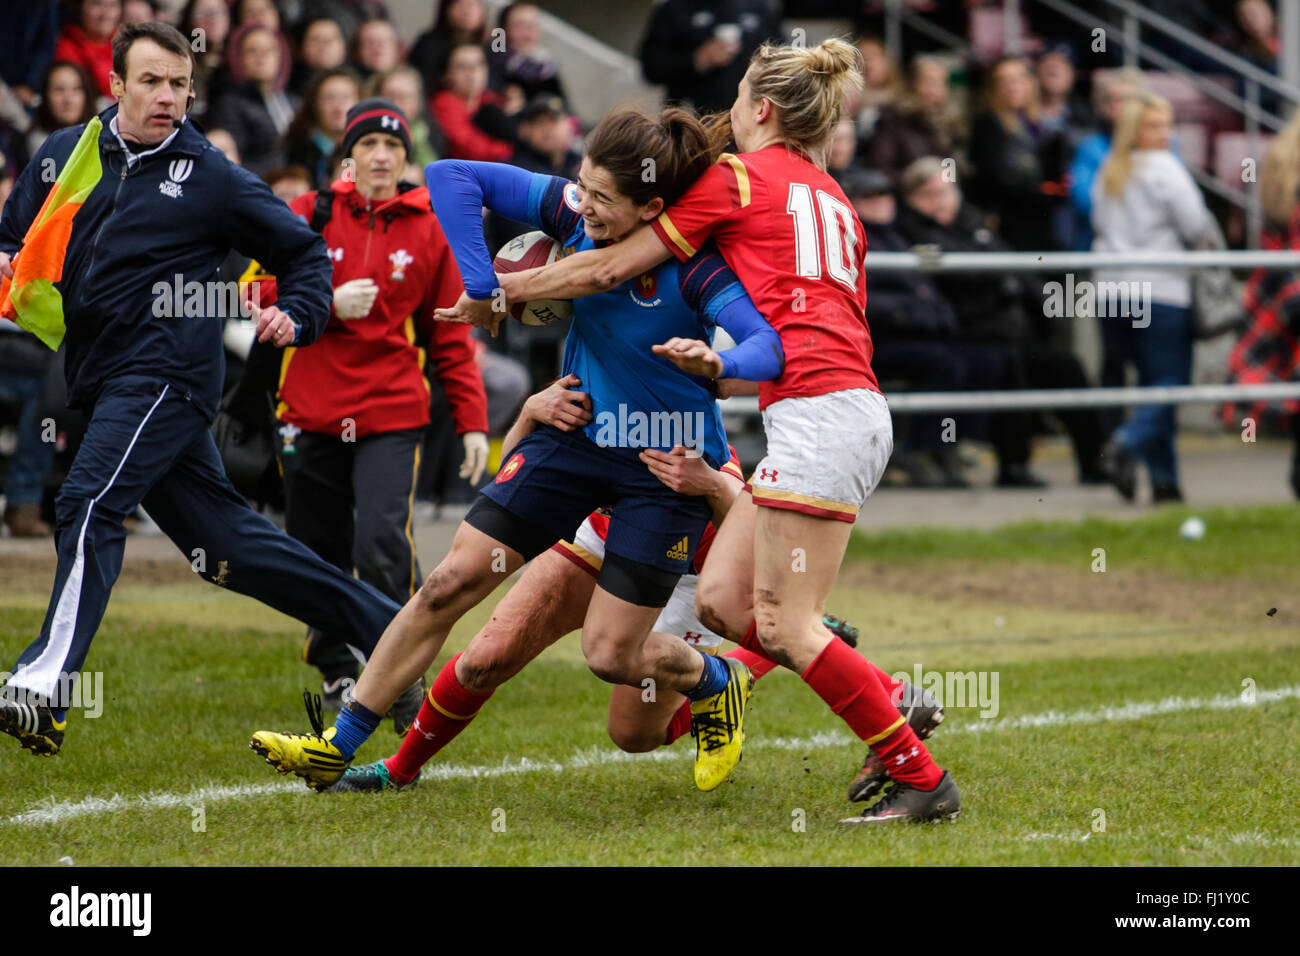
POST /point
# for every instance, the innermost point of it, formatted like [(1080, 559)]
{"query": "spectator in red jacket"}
[(472, 117), (353, 407), (89, 42)]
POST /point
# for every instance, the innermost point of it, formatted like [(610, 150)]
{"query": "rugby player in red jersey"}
[(790, 235), (551, 600)]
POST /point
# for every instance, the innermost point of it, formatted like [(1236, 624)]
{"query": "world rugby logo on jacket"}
[(178, 170)]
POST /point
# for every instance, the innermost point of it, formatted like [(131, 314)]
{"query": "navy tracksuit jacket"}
[(151, 384)]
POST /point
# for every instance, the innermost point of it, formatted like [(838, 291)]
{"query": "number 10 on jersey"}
[(836, 237)]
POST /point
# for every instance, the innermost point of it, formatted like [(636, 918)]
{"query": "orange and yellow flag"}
[(30, 298)]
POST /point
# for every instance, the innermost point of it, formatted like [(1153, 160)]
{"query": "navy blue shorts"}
[(553, 479)]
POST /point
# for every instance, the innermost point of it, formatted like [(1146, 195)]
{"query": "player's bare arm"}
[(589, 272), (481, 313), (687, 472), (731, 387), (560, 404)]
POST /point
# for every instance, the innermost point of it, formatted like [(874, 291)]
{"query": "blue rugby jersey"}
[(639, 400)]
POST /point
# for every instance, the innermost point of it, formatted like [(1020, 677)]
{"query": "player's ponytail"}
[(808, 87), (649, 156)]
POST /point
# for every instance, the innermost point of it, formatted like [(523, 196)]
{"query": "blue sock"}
[(353, 728), (714, 678)]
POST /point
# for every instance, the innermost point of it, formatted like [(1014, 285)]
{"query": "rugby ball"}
[(529, 251)]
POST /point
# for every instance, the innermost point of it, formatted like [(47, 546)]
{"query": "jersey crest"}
[(645, 290)]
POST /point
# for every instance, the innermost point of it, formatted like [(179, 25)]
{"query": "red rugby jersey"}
[(787, 230)]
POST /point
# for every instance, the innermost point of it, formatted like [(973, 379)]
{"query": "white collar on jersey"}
[(136, 157)]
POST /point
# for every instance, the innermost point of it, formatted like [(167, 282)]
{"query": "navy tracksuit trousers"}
[(146, 443)]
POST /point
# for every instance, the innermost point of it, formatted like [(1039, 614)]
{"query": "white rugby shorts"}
[(825, 453)]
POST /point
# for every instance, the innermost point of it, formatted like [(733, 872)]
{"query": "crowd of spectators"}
[(279, 83), (273, 84), (973, 153), (989, 152)]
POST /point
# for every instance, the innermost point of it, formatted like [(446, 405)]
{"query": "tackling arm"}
[(587, 273)]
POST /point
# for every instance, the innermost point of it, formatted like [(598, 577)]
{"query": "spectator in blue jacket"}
[(146, 365), (1110, 94)]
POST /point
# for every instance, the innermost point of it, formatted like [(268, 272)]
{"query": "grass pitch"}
[(1123, 733)]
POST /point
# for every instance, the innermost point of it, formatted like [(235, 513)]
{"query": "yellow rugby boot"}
[(310, 756), (717, 725)]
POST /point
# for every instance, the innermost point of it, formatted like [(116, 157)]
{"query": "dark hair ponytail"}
[(648, 157)]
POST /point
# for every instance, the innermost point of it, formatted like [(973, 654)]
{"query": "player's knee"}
[(718, 611), (444, 584), (484, 668), (633, 739), (610, 665), (711, 616)]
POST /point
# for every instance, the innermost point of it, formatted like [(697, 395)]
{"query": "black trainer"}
[(1018, 476), (370, 778), (30, 719), (407, 707), (845, 631), (924, 713), (1166, 491), (334, 693), (1123, 469), (906, 803)]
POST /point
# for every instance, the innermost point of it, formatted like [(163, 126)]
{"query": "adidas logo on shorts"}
[(680, 551)]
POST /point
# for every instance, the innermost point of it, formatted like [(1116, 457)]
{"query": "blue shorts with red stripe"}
[(554, 479)]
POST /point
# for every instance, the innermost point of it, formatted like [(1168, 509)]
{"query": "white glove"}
[(353, 299), (238, 336), (476, 456)]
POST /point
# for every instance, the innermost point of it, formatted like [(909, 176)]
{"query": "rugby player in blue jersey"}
[(554, 479)]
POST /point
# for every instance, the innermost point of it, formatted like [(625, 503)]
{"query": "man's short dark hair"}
[(164, 34)]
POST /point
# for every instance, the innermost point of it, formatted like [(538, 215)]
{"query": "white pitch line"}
[(600, 757), (1133, 711), (1251, 838)]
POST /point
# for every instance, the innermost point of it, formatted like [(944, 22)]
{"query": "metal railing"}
[(1133, 18), (1253, 115), (928, 259)]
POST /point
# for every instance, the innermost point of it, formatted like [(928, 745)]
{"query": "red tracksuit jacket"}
[(371, 370)]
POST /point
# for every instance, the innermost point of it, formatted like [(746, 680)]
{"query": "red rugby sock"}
[(758, 664), (680, 724), (851, 688), (446, 711), (894, 688)]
